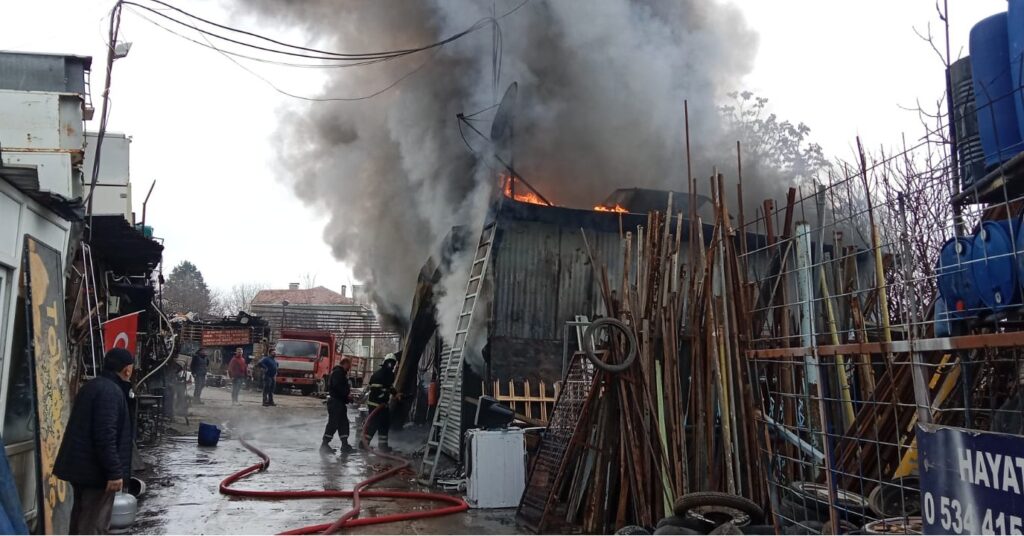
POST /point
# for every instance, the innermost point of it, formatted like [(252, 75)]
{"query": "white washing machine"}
[(496, 468)]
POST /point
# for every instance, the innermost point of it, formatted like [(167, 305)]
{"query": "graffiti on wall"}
[(44, 280)]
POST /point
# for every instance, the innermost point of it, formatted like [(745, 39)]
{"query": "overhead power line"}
[(332, 59)]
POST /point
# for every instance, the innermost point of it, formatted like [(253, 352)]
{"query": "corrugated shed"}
[(542, 272)]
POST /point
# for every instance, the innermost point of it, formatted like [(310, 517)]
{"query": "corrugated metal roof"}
[(26, 71)]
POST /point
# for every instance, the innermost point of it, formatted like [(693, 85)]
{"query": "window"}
[(286, 348)]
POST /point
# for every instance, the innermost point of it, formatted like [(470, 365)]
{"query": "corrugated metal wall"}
[(543, 277)]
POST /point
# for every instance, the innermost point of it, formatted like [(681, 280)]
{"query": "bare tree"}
[(308, 280), (239, 297)]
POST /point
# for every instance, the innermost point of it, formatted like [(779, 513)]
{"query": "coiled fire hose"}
[(349, 518)]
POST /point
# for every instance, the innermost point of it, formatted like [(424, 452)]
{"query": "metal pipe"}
[(794, 439), (144, 203)]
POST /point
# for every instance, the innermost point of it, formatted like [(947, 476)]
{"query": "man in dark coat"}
[(200, 364), (269, 365), (339, 394), (379, 395), (96, 451)]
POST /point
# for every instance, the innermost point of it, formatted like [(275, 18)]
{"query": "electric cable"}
[(320, 54), (352, 60)]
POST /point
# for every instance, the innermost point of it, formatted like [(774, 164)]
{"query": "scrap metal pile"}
[(770, 374), (663, 408)]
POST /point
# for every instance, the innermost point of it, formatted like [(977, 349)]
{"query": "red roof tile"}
[(310, 296)]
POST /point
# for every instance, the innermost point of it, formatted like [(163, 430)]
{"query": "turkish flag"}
[(120, 332)]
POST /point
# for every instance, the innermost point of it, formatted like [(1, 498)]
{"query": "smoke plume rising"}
[(600, 107)]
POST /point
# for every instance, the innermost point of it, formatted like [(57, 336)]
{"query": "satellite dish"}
[(501, 127)]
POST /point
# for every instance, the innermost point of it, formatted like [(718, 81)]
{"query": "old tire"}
[(804, 527), (673, 529), (588, 344), (675, 521), (845, 527), (699, 526), (794, 510), (813, 495), (727, 528), (758, 529), (632, 529), (712, 499)]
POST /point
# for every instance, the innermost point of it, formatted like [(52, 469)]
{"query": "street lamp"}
[(284, 303)]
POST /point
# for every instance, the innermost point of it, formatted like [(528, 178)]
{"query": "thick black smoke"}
[(601, 91)]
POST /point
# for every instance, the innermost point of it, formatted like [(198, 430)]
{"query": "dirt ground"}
[(183, 478)]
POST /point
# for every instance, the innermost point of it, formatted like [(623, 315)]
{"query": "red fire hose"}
[(348, 519)]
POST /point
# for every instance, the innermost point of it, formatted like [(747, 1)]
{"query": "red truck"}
[(305, 358)]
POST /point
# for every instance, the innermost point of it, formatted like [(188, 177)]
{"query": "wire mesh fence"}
[(883, 305)]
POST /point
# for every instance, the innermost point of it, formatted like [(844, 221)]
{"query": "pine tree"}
[(186, 292)]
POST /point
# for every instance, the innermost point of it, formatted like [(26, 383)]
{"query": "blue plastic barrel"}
[(1015, 34), (993, 268), (993, 98), (955, 284), (209, 435)]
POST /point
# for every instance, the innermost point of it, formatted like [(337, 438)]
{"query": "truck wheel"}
[(306, 390)]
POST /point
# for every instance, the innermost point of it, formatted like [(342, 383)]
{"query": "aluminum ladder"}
[(449, 403)]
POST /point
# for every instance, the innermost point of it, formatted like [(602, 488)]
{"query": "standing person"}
[(236, 371), (339, 394), (96, 452), (200, 364), (269, 366), (380, 391)]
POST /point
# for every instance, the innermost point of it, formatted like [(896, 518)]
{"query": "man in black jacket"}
[(95, 453), (200, 364), (340, 392), (379, 395)]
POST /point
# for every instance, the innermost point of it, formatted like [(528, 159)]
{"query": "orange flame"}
[(616, 208), (522, 194)]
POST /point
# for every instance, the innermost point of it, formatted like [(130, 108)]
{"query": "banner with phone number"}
[(971, 482)]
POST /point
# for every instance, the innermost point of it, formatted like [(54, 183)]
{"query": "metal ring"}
[(588, 344)]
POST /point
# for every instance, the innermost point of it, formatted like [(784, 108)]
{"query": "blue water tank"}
[(993, 98), (993, 267), (955, 284), (1015, 34)]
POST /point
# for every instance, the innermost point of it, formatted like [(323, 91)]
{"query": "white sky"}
[(204, 129)]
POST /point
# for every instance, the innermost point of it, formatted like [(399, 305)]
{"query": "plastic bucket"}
[(209, 435)]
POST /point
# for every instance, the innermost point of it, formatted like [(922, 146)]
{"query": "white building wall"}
[(21, 216)]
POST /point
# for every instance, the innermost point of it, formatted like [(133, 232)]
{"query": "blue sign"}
[(971, 482)]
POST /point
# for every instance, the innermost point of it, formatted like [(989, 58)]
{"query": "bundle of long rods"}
[(679, 419)]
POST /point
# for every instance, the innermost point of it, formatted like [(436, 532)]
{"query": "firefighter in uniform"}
[(378, 395), (337, 413)]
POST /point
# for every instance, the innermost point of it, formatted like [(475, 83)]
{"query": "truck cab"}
[(305, 358)]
